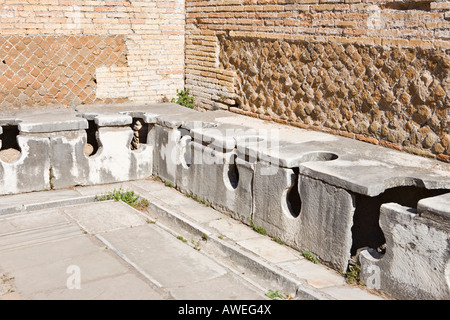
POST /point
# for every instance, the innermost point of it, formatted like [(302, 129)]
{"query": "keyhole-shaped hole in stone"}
[(294, 201), (140, 133), (233, 172), (92, 144), (10, 150)]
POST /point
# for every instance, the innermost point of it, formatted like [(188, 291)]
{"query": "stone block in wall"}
[(219, 178), (240, 145), (51, 151), (115, 161), (69, 163), (114, 158), (57, 134), (416, 264), (112, 82), (31, 170), (217, 173), (165, 126), (359, 176), (274, 209), (305, 213), (167, 143), (326, 219)]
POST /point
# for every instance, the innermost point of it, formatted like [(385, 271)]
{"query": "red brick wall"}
[(41, 70), (377, 71), (68, 52)]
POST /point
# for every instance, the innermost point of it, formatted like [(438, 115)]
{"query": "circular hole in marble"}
[(319, 156)]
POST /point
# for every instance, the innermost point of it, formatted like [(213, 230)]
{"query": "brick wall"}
[(69, 52), (377, 70)]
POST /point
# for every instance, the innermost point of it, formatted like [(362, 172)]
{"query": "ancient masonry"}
[(345, 201), (71, 52), (377, 71)]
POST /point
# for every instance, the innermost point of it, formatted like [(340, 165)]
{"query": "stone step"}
[(233, 242)]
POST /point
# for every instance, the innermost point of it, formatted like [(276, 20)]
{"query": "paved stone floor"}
[(61, 244)]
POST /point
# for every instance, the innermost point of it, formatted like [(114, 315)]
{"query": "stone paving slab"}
[(52, 276), (113, 246), (104, 216), (123, 287), (38, 258), (265, 248), (47, 252), (116, 244), (226, 287), (38, 200), (317, 275), (25, 222), (259, 246), (231, 229), (176, 267)]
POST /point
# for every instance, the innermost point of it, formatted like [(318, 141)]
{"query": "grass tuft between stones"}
[(129, 197)]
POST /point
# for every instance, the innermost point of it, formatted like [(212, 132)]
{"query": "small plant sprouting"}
[(51, 177), (195, 198), (274, 295), (129, 197), (184, 99), (310, 257), (278, 240), (353, 275), (204, 237), (196, 244), (192, 196), (168, 184), (181, 238), (260, 230), (157, 178)]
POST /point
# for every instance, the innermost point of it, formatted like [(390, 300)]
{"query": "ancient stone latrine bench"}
[(340, 199)]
